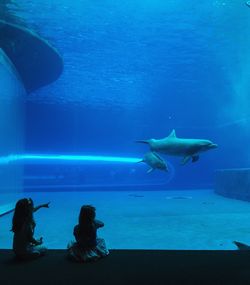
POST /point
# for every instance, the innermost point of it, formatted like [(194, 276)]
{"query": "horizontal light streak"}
[(78, 158)]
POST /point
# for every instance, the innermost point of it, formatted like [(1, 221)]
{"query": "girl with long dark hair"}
[(88, 247), (23, 226)]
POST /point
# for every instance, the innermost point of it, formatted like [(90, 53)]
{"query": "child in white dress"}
[(88, 247)]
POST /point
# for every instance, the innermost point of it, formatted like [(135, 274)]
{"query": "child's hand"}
[(99, 224), (46, 205), (39, 241)]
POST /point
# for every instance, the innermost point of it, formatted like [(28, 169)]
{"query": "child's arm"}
[(46, 205), (36, 241), (99, 224), (30, 233)]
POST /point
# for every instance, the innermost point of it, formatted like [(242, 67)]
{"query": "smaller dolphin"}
[(154, 161), (248, 3), (187, 148)]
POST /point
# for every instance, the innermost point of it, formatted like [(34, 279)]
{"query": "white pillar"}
[(12, 98)]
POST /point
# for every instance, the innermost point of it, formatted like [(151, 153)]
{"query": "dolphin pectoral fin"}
[(185, 160), (150, 170), (139, 161), (195, 158), (241, 246)]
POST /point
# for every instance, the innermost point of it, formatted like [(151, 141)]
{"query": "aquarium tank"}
[(140, 108)]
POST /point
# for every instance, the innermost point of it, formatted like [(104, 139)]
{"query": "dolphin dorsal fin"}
[(172, 134)]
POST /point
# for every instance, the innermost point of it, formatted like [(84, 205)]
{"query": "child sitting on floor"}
[(87, 246), (23, 226)]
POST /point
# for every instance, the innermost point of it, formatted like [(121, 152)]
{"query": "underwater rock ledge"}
[(233, 183)]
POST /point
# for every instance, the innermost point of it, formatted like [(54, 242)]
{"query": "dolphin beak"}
[(213, 145)]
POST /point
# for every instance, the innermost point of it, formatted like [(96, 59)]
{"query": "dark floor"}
[(131, 267)]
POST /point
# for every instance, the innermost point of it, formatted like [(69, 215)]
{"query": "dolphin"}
[(154, 161), (247, 3), (187, 148)]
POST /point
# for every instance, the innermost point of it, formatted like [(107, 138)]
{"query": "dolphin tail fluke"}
[(143, 141), (241, 246)]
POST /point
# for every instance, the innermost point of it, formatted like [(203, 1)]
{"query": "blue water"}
[(138, 69)]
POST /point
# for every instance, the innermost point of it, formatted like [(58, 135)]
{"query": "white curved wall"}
[(12, 98)]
